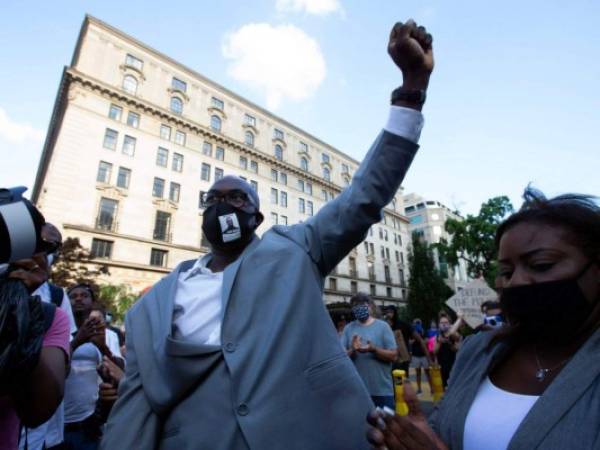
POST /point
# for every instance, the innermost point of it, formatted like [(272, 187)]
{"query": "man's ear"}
[(259, 218)]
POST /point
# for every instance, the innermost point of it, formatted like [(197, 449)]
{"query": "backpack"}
[(56, 295)]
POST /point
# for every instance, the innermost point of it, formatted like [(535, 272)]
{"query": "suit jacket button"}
[(243, 409), (230, 347)]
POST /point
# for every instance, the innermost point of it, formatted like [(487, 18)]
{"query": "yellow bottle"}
[(436, 383), (401, 406)]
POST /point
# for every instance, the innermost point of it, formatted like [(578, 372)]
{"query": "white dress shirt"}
[(198, 313)]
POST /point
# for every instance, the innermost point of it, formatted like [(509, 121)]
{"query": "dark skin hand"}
[(33, 271)]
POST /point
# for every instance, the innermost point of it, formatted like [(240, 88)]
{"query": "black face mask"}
[(552, 311), (228, 228)]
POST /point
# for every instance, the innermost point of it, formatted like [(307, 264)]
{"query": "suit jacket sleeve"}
[(342, 223), (132, 423)]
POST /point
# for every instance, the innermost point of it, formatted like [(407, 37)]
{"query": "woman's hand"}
[(411, 432)]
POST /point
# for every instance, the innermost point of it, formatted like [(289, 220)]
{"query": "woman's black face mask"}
[(551, 311)]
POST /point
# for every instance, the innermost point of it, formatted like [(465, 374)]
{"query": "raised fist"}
[(410, 48)]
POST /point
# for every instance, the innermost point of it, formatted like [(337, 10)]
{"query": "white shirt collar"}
[(199, 267)]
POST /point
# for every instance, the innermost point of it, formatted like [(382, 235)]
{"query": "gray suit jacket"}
[(292, 386), (565, 417)]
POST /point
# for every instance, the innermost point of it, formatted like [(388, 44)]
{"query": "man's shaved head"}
[(232, 183)]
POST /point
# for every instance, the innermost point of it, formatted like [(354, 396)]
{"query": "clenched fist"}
[(410, 48)]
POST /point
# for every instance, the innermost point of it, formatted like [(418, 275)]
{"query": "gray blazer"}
[(566, 416), (291, 384)]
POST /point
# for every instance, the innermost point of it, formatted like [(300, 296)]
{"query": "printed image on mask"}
[(361, 312), (230, 227)]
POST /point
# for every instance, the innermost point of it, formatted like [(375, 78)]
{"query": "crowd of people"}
[(211, 359)]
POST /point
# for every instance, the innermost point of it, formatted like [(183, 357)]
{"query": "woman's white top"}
[(494, 417)]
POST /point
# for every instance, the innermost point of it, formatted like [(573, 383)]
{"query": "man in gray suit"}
[(213, 361)]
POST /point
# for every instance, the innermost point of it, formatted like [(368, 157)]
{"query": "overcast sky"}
[(515, 96)]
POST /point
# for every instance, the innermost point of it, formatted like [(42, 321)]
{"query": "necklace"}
[(541, 372)]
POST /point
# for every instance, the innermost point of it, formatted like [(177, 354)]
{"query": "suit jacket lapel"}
[(559, 397), (231, 271)]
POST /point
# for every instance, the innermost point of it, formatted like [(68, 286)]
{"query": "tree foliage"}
[(71, 267), (117, 299), (472, 239), (427, 291)]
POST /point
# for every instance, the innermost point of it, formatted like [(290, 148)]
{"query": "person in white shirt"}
[(90, 344)]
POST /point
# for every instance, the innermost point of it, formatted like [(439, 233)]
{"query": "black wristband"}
[(416, 96)]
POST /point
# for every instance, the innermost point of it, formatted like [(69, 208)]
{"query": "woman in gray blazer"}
[(535, 384)]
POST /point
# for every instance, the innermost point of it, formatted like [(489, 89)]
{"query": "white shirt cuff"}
[(405, 122)]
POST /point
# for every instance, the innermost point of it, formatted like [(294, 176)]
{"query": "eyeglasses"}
[(237, 199)]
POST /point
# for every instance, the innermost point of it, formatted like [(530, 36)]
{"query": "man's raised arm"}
[(343, 223)]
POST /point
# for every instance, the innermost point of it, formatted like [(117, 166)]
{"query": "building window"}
[(303, 147), (283, 220), (244, 162), (371, 268), (158, 257), (162, 157), (162, 226), (309, 208), (332, 284), (382, 252), (278, 134), (278, 152), (274, 218), (253, 166), (217, 103), (325, 158), (107, 214), (123, 178), (372, 247), (388, 278), (301, 207), (274, 175), (130, 84), (176, 105), (385, 234), (134, 62), (101, 248), (133, 119), (345, 168), (397, 256), (115, 112), (326, 174), (158, 187), (283, 199), (388, 291), (180, 138), (110, 139), (129, 145), (104, 170), (324, 194), (304, 164), (215, 123), (300, 185), (308, 188), (250, 120), (174, 191), (177, 163), (274, 196), (207, 149), (178, 85), (254, 185), (205, 172), (372, 289), (353, 287), (249, 138), (401, 276), (165, 132), (218, 174), (387, 253), (401, 258), (283, 178), (220, 153)]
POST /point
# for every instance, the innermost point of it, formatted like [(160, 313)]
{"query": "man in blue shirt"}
[(371, 344)]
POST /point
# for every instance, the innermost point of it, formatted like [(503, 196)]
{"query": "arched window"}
[(130, 84), (278, 152), (326, 174), (176, 105), (304, 164), (215, 123), (248, 138)]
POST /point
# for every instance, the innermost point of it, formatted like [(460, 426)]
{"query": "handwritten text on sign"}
[(468, 301)]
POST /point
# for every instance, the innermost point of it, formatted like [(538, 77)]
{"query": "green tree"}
[(117, 299), (472, 239), (73, 266), (427, 291)]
